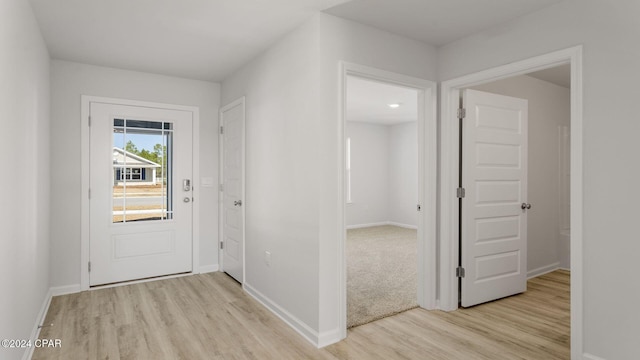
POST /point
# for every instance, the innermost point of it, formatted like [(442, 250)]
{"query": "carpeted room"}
[(382, 192)]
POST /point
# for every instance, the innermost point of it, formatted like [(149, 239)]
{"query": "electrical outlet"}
[(267, 258)]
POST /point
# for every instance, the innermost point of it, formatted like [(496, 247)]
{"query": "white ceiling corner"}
[(436, 22), (199, 39), (210, 39), (559, 75)]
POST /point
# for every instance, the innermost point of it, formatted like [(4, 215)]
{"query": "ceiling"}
[(368, 101), (436, 22), (210, 39), (559, 75), (198, 39)]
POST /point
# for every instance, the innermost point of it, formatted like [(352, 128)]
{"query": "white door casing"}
[(494, 176), (123, 251), (232, 207)]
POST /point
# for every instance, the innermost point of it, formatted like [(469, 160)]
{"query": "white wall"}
[(549, 107), (608, 31), (369, 174), (71, 80), (342, 40), (24, 184), (293, 137), (282, 175), (384, 174), (403, 173)]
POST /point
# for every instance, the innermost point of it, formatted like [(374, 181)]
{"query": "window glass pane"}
[(141, 168)]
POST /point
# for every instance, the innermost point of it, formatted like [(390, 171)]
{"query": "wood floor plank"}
[(208, 316)]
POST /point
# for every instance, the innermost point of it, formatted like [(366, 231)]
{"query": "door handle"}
[(525, 206), (237, 203)]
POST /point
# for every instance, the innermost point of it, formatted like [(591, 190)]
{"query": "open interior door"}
[(494, 177)]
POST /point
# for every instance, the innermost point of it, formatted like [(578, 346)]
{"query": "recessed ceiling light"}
[(394, 106)]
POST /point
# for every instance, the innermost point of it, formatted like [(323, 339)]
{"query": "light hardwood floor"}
[(209, 317)]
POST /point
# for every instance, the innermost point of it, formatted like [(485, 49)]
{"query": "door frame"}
[(85, 148), (427, 187), (449, 158), (240, 101)]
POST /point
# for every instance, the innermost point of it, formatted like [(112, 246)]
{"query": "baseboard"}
[(406, 226), (295, 323), (209, 268), (543, 270), (588, 356), (360, 226), (327, 338), (382, 223), (64, 290), (35, 332)]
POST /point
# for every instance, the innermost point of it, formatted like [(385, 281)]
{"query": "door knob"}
[(237, 203), (525, 206), (186, 199)]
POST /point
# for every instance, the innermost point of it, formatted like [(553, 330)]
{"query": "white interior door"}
[(232, 208), (494, 176), (141, 196)]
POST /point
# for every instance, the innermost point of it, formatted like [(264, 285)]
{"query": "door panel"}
[(140, 214), (494, 174), (232, 119)]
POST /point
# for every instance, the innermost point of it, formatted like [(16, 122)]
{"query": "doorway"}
[(140, 191), (424, 204), (232, 189), (450, 224), (382, 195)]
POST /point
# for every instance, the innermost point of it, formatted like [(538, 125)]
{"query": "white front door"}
[(494, 176), (232, 195), (141, 196)]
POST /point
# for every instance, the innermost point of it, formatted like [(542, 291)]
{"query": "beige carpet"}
[(382, 274)]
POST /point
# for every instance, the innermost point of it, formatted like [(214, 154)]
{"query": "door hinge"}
[(419, 207), (460, 193), (89, 266), (460, 272), (89, 121), (221, 187), (89, 194), (462, 113), (221, 130), (221, 245)]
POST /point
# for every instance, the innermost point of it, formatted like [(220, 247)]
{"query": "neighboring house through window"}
[(134, 168)]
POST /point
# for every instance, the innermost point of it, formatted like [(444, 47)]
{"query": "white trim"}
[(85, 146), (298, 325), (239, 101), (449, 175), (406, 226), (427, 185), (588, 356), (209, 268), (382, 223), (35, 332), (65, 290), (361, 226), (327, 338), (543, 270)]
